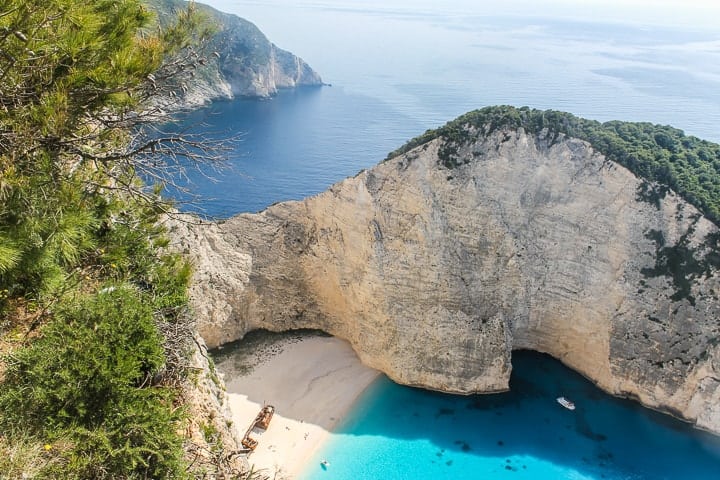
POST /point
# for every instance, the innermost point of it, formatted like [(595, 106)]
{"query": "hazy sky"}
[(701, 13)]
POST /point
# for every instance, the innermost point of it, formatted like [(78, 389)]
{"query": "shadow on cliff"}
[(604, 437)]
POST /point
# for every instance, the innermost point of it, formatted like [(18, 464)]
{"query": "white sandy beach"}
[(312, 382)]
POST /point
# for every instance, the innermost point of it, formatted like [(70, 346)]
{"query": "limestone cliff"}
[(211, 445), (241, 61), (436, 266)]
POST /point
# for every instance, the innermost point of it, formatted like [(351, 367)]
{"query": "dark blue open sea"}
[(397, 70)]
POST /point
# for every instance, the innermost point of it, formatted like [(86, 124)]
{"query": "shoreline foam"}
[(313, 382)]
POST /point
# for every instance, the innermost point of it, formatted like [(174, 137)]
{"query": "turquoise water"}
[(400, 432)]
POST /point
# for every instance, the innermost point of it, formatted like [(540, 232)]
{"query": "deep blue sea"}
[(399, 67)]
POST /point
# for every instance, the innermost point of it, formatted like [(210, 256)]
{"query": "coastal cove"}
[(429, 240), (400, 432), (311, 380), (396, 76)]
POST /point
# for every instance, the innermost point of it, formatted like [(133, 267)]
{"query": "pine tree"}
[(76, 81), (80, 245)]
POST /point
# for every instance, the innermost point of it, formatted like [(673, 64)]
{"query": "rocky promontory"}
[(241, 61), (475, 241)]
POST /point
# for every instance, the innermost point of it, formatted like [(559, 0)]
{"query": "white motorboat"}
[(566, 403)]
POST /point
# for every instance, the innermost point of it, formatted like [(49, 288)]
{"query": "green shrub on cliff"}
[(88, 380), (656, 153)]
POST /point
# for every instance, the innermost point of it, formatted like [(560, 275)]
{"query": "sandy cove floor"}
[(312, 382)]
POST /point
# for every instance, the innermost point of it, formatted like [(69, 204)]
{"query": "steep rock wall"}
[(212, 446), (436, 274), (251, 65), (240, 61)]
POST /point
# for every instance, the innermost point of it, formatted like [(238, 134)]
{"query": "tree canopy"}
[(89, 297)]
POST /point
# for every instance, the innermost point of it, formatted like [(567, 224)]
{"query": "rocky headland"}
[(475, 240), (240, 61)]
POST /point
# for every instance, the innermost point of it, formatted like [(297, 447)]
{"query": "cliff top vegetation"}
[(93, 325), (662, 155)]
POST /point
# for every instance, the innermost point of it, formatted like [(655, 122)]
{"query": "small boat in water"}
[(566, 403), (324, 464)]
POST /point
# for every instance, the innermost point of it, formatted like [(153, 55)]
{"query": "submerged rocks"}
[(436, 271)]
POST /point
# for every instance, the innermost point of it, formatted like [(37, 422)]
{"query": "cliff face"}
[(211, 442), (436, 273), (250, 64), (241, 60)]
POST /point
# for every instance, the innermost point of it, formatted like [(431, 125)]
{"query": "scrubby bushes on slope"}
[(87, 390)]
